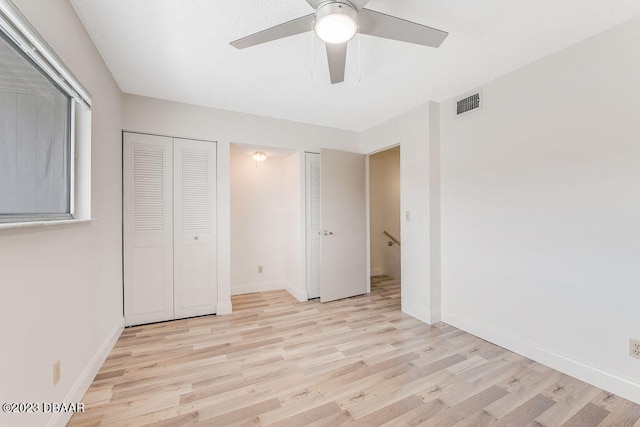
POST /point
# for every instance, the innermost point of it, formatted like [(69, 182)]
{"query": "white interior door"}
[(344, 238), (314, 242), (195, 272), (148, 229)]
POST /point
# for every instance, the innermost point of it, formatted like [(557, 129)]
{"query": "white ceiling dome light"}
[(336, 22), (259, 156)]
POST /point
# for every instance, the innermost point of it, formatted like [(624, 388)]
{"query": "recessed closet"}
[(170, 269)]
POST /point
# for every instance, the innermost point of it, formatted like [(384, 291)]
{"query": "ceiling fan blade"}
[(390, 27), (290, 28), (359, 4), (314, 3), (337, 56)]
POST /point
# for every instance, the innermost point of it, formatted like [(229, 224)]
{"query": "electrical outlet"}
[(634, 348), (260, 269), (56, 372)]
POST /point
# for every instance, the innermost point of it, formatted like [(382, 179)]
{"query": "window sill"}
[(29, 224)]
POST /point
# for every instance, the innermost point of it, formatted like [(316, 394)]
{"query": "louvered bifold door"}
[(314, 240), (195, 269), (148, 229)]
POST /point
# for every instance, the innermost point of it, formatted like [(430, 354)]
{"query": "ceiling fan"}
[(336, 22)]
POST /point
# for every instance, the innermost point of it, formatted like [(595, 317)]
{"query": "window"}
[(44, 123), (35, 143)]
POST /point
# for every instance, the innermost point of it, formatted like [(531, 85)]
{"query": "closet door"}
[(314, 230), (195, 270), (148, 229)]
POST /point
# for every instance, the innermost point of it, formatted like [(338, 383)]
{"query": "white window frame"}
[(18, 29)]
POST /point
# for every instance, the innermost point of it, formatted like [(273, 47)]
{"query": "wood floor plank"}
[(419, 415), (570, 395), (624, 414), (479, 401), (276, 361), (523, 386), (479, 419), (177, 421), (390, 412), (589, 416), (246, 413), (527, 412), (312, 415)]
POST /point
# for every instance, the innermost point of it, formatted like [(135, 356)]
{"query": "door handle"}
[(326, 233)]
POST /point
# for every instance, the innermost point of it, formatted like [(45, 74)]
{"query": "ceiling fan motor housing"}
[(342, 10)]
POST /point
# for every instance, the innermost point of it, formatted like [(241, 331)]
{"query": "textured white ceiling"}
[(179, 50)]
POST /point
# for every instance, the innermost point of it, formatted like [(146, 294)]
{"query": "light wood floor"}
[(359, 361)]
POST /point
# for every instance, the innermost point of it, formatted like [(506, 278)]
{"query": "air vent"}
[(469, 104)]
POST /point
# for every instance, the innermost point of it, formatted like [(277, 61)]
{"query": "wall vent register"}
[(468, 104)]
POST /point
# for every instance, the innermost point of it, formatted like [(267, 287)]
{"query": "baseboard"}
[(250, 288), (299, 294), (581, 370), (435, 316), (426, 316), (223, 307), (88, 374), (415, 311)]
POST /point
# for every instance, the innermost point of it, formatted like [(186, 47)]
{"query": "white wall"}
[(62, 285), (191, 121), (256, 225), (175, 119), (384, 208), (541, 208), (417, 133)]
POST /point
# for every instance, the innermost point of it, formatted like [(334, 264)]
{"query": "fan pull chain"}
[(359, 58), (313, 55)]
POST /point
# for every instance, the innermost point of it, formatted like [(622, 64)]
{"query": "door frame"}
[(402, 209), (368, 214)]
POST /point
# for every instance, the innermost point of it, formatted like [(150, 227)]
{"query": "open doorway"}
[(267, 220), (385, 217)]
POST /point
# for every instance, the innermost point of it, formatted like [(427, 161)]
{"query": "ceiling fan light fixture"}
[(336, 22), (259, 156)]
